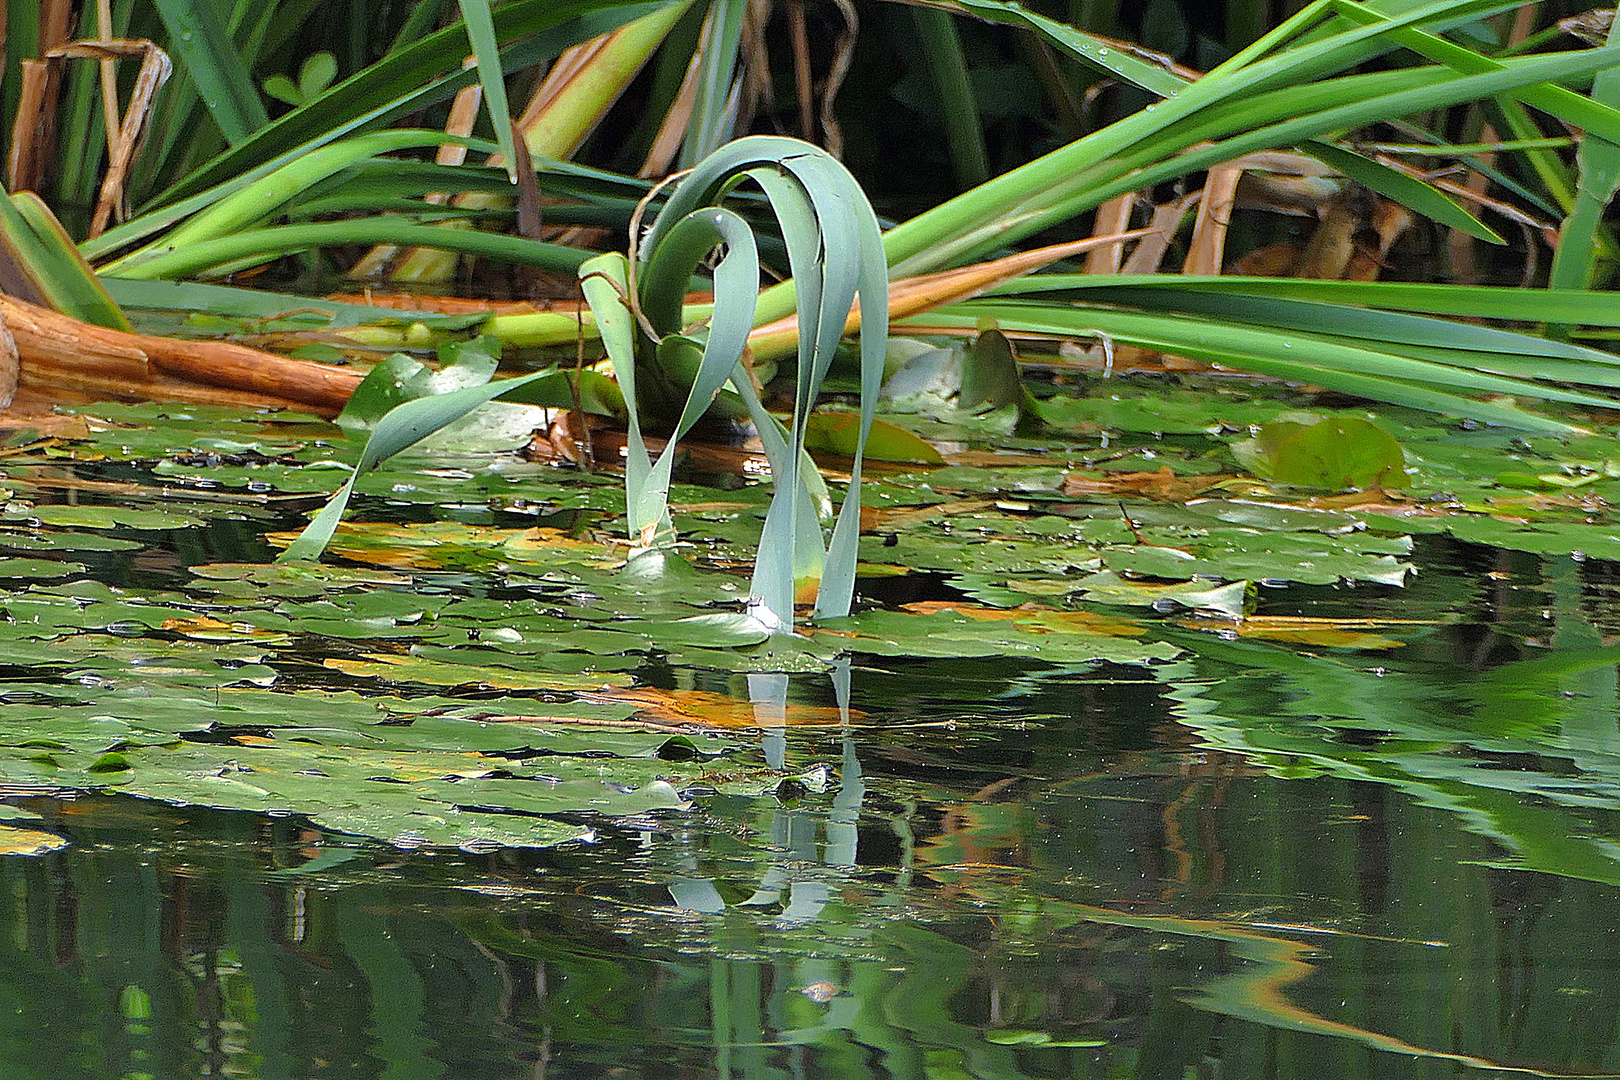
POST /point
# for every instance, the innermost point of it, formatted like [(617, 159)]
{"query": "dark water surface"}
[(1258, 861)]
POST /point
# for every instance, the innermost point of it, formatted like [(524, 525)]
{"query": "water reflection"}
[(793, 835), (1192, 920), (1255, 862)]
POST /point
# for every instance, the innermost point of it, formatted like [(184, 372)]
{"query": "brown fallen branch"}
[(60, 356)]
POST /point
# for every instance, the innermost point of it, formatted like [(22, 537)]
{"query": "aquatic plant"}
[(327, 173), (836, 254)]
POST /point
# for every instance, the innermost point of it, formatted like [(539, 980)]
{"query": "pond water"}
[(1256, 863), (1384, 846)]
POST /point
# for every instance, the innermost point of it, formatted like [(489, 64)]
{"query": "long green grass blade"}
[(1385, 328), (1409, 191), (1468, 301), (208, 57), (487, 52), (1481, 155), (1558, 101), (1201, 337), (1048, 209), (1539, 369), (266, 195), (259, 245), (1085, 173), (1598, 178), (561, 181), (951, 220), (616, 195), (420, 75), (941, 53), (1306, 357), (713, 110), (1370, 378), (418, 24), (1513, 120), (1396, 392), (232, 302), (1105, 56)]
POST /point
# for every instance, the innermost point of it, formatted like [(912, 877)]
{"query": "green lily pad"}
[(65, 541), (1334, 452), (1047, 634), (1107, 587), (409, 773), (1021, 1037), (1125, 406), (835, 431), (38, 568), (418, 669), (96, 516), (990, 377)]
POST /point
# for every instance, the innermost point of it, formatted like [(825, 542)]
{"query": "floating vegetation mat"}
[(482, 662)]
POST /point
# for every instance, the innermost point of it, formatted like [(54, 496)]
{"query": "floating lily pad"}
[(481, 667), (418, 669), (96, 516), (1064, 637), (1021, 1037), (1121, 405), (990, 377), (1108, 587), (38, 568), (351, 766), (64, 541), (1334, 452), (834, 431)]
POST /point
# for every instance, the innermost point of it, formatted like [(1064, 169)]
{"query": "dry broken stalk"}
[(1113, 216), (33, 133), (124, 133), (1207, 252)]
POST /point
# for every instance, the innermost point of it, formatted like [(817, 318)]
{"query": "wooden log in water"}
[(61, 356)]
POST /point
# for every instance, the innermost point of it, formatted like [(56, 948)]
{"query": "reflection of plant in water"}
[(793, 833), (1440, 741), (984, 834), (1015, 976)]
